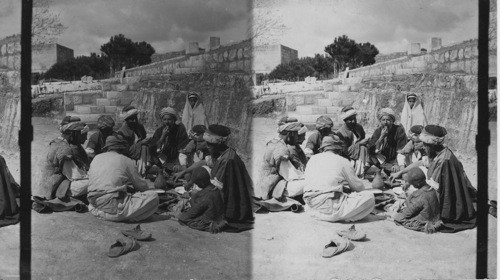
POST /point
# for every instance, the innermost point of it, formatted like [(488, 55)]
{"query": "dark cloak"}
[(9, 190), (347, 135), (456, 194), (237, 186), (395, 140)]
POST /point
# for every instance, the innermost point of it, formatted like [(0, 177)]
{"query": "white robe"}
[(412, 116), (194, 116)]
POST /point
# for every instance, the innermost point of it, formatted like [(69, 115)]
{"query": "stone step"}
[(324, 102), (102, 102), (310, 109), (311, 119)]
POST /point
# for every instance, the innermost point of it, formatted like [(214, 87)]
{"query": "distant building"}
[(43, 56), (266, 58), (193, 48)]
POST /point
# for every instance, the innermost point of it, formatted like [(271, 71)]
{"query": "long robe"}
[(9, 189), (195, 115), (395, 140), (130, 133), (455, 190), (237, 187), (176, 140), (206, 212), (412, 116)]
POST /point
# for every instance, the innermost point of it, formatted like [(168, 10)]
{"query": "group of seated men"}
[(109, 174), (328, 178), (327, 174)]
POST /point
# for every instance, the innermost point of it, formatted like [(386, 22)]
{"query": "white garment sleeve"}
[(182, 159), (350, 176), (401, 159), (138, 182), (72, 171), (289, 172)]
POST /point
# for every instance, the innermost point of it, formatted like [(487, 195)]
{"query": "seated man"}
[(278, 176), (323, 128), (64, 172), (446, 174), (196, 149), (207, 207), (353, 135), (9, 191), (297, 156), (132, 131), (386, 140), (229, 173), (168, 140), (111, 176), (326, 176), (97, 141), (413, 150)]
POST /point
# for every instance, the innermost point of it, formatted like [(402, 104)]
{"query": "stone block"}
[(69, 106), (121, 87), (226, 55), (247, 52), (102, 102), (232, 54), (115, 102), (453, 55), (475, 51), (335, 95), (3, 50), (110, 109), (304, 110), (97, 109), (324, 102), (343, 88), (318, 110), (308, 99), (299, 99), (113, 94), (473, 67), (240, 53), (241, 65), (88, 98), (460, 53), (233, 66), (447, 56), (82, 109), (333, 110), (454, 66), (77, 99), (468, 52)]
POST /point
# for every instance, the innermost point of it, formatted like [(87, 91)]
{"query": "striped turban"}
[(324, 122), (105, 121), (387, 112), (168, 111)]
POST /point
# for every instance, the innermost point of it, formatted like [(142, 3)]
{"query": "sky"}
[(305, 25)]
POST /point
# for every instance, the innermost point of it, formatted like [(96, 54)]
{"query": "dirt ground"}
[(283, 245), (287, 245)]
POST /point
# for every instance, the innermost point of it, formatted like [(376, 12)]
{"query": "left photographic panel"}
[(141, 114)]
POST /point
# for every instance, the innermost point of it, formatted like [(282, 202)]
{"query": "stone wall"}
[(10, 108), (10, 53), (459, 58), (226, 97), (450, 100), (232, 58)]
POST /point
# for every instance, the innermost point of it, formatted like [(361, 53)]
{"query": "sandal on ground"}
[(352, 234), (335, 247), (121, 247), (137, 233)]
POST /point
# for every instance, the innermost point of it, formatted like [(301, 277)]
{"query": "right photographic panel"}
[(365, 116)]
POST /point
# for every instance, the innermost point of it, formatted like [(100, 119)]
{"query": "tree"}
[(46, 26), (346, 52), (93, 65), (294, 70), (323, 66), (121, 51)]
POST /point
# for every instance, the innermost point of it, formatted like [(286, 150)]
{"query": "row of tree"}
[(342, 53), (120, 51)]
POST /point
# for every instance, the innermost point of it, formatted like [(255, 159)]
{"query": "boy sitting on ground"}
[(196, 149), (207, 206), (413, 150), (422, 212)]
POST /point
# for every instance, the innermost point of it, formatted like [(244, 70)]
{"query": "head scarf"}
[(105, 121), (193, 95), (387, 112), (411, 95), (168, 111), (129, 111), (347, 112), (70, 123), (286, 119), (291, 126), (331, 143), (217, 134), (114, 142), (303, 129), (323, 122), (433, 134), (416, 177)]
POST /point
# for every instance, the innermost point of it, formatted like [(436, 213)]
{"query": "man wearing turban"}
[(133, 131), (386, 140), (95, 145), (64, 172), (279, 178), (228, 172), (353, 135), (170, 138), (326, 175), (324, 126), (111, 174), (446, 174)]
